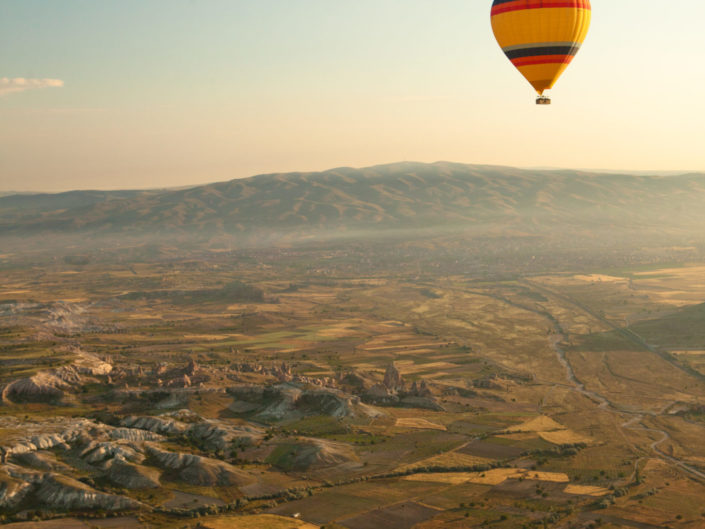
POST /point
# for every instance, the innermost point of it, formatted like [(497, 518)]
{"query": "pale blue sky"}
[(177, 92)]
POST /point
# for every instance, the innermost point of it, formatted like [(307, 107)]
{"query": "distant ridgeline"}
[(350, 203)]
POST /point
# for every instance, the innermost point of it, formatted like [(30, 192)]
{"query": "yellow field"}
[(564, 437), (601, 278), (547, 429), (456, 478), (586, 490), (674, 286), (553, 477), (408, 367), (418, 424), (538, 424), (210, 337), (491, 477), (449, 459), (340, 330), (260, 521)]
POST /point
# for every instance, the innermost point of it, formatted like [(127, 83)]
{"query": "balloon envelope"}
[(541, 37)]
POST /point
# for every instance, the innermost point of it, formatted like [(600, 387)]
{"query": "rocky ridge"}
[(56, 384)]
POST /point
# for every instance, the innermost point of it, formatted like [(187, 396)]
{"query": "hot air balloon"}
[(541, 37)]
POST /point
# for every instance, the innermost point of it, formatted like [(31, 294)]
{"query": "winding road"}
[(634, 423)]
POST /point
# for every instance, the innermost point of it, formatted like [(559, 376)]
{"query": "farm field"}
[(264, 396)]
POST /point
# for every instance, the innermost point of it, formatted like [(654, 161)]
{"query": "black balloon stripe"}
[(542, 50)]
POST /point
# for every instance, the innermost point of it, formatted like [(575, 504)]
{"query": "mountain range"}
[(399, 197)]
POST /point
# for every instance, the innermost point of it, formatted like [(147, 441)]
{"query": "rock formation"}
[(392, 378), (493, 382), (198, 470), (191, 368), (131, 476), (223, 437), (356, 381), (63, 439), (287, 401), (324, 402), (52, 386), (180, 382), (55, 491), (61, 492), (12, 489), (160, 425), (88, 364), (96, 452), (380, 394), (307, 454), (134, 435), (45, 386)]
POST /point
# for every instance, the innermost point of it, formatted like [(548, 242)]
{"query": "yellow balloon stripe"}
[(541, 41), (541, 25)]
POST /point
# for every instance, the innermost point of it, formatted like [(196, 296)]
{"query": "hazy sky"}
[(149, 93)]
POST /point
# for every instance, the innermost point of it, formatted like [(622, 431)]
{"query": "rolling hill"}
[(401, 196)]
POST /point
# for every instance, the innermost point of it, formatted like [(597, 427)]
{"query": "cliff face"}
[(158, 425), (215, 436), (198, 470), (62, 463), (127, 457), (52, 490), (89, 364), (61, 492), (12, 490), (67, 435), (54, 385), (131, 476), (42, 387), (392, 378), (286, 401), (96, 453), (306, 454), (134, 435)]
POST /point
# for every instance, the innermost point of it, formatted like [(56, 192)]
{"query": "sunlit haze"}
[(153, 93)]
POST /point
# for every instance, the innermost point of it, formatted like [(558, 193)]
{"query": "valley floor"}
[(250, 392)]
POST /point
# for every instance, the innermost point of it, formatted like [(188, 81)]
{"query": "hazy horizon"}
[(160, 94), (8, 191)]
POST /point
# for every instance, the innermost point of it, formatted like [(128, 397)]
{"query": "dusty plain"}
[(245, 389)]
